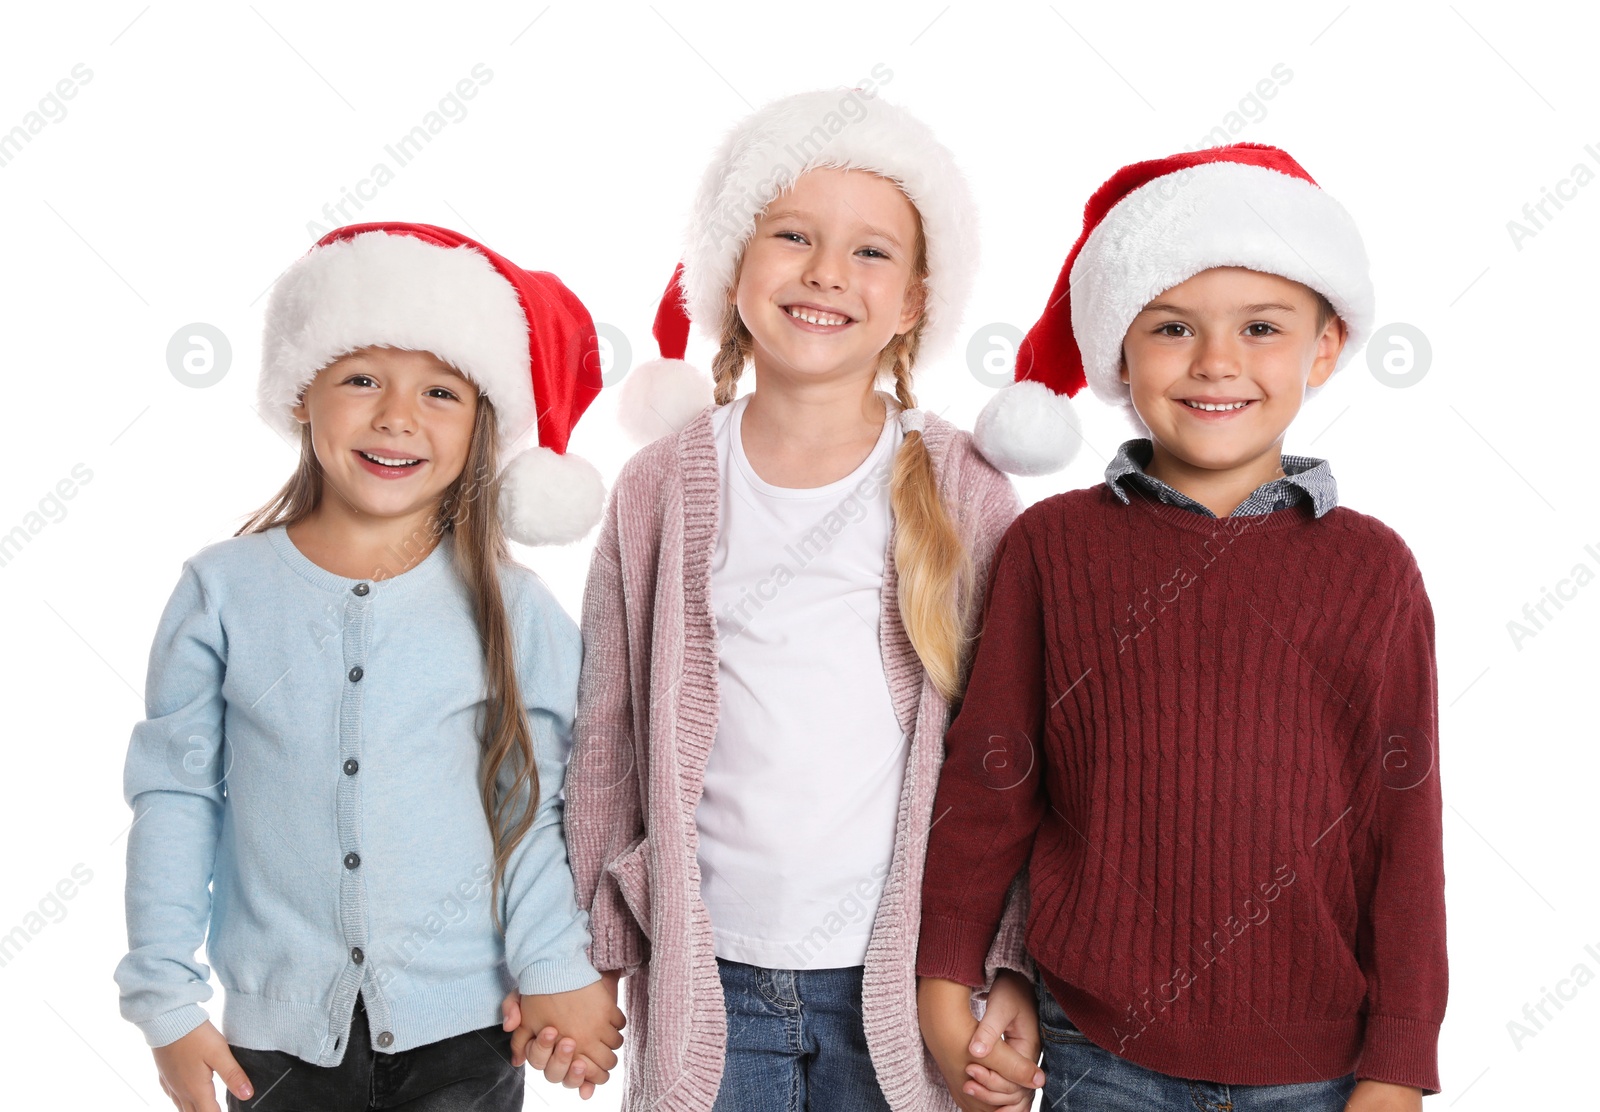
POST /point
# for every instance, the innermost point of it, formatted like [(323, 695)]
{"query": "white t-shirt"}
[(802, 788)]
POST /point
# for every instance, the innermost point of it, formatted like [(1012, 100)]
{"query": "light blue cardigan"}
[(335, 843)]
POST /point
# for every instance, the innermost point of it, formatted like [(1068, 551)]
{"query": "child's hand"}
[(1012, 1014), (542, 1052), (186, 1066), (537, 1051), (1380, 1096), (944, 1009), (589, 1024)]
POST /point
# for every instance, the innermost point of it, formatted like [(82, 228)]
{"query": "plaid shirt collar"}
[(1303, 477)]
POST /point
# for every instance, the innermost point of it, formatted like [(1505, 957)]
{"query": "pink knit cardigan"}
[(647, 717)]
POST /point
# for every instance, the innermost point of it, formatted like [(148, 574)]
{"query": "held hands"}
[(986, 1065), (571, 1036), (186, 1066), (1380, 1096)]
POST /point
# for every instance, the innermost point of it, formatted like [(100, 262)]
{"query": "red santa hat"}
[(759, 159), (1152, 226), (521, 336)]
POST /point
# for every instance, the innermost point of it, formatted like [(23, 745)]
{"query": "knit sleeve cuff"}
[(169, 1027), (619, 943), (1400, 1051), (953, 949), (545, 978), (619, 947), (1009, 950)]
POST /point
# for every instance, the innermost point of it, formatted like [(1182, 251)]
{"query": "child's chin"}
[(389, 503), (1214, 457), (805, 366)]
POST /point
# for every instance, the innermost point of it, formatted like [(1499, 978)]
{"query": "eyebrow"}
[(880, 233), (445, 370), (1243, 310), (796, 214)]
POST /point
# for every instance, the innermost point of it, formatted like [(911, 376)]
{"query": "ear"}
[(1329, 345), (1122, 367), (911, 308), (300, 411)]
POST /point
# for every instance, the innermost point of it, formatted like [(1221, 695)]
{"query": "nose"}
[(825, 269), (396, 413), (1216, 358)]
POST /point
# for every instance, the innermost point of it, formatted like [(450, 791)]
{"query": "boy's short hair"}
[(1325, 311)]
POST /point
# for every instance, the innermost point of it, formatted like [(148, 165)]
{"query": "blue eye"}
[(874, 253), (792, 237)]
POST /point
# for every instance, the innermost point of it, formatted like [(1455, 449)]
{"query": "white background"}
[(183, 176)]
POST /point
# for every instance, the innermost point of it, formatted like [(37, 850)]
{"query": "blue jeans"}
[(1082, 1077), (795, 1041)]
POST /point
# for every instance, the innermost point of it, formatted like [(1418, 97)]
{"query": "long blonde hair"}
[(933, 566), (469, 511)]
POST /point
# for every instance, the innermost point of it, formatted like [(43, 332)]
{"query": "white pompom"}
[(547, 498), (661, 396), (1028, 429)]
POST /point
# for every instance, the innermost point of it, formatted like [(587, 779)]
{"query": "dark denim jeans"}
[(1082, 1077), (472, 1070), (795, 1042)]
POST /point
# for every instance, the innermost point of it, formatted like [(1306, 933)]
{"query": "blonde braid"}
[(931, 562), (729, 364), (900, 355)]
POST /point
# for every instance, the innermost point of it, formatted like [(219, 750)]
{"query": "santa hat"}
[(521, 336), (846, 129), (1152, 226), (661, 396)]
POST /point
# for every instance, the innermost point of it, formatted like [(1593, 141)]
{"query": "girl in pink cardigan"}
[(775, 624)]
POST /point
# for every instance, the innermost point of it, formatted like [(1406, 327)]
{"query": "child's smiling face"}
[(828, 277), (1218, 367), (391, 429)]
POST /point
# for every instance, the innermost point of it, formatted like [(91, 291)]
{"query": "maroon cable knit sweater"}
[(1212, 743)]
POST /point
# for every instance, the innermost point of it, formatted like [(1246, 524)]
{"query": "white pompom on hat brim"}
[(660, 396), (1028, 429), (550, 498)]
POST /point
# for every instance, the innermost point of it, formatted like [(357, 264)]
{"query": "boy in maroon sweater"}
[(1202, 714)]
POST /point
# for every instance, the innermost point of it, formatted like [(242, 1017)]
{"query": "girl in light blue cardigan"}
[(359, 708)]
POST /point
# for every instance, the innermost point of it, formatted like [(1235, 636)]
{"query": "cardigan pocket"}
[(631, 873)]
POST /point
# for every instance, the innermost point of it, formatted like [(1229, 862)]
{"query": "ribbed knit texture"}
[(647, 717), (1213, 744)]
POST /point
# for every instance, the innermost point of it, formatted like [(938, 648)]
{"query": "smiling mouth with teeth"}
[(1214, 407), (384, 461), (816, 316)]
